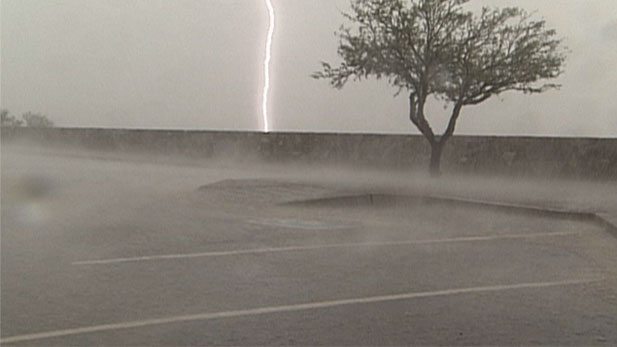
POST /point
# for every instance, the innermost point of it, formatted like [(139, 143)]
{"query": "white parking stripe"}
[(314, 247), (286, 308)]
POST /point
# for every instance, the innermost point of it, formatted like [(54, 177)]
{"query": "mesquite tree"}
[(437, 48)]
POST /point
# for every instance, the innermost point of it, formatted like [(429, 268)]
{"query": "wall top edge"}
[(313, 133)]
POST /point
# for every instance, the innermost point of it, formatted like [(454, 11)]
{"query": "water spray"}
[(266, 89)]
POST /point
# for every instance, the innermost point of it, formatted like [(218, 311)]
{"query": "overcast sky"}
[(187, 64)]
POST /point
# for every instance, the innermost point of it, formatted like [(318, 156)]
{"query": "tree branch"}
[(456, 112), (416, 115)]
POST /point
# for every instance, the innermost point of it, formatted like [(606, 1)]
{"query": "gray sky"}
[(187, 64)]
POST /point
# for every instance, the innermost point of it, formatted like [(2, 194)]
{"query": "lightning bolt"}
[(267, 66)]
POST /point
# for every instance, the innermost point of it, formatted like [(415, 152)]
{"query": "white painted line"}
[(326, 246), (286, 308)]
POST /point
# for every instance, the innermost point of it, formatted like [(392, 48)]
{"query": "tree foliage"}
[(7, 120), (33, 120), (37, 120), (436, 47)]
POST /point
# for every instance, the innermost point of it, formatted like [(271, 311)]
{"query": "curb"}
[(604, 220), (608, 222)]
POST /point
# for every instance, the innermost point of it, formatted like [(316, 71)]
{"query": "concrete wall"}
[(535, 156)]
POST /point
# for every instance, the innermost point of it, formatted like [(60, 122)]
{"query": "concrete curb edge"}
[(604, 220)]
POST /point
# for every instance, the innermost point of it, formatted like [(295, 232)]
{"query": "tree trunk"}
[(434, 168)]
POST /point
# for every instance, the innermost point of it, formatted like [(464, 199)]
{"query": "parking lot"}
[(112, 252)]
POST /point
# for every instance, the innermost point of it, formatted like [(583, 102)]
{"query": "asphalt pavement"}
[(119, 253)]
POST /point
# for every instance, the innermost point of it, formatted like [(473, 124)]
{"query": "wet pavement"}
[(108, 252)]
